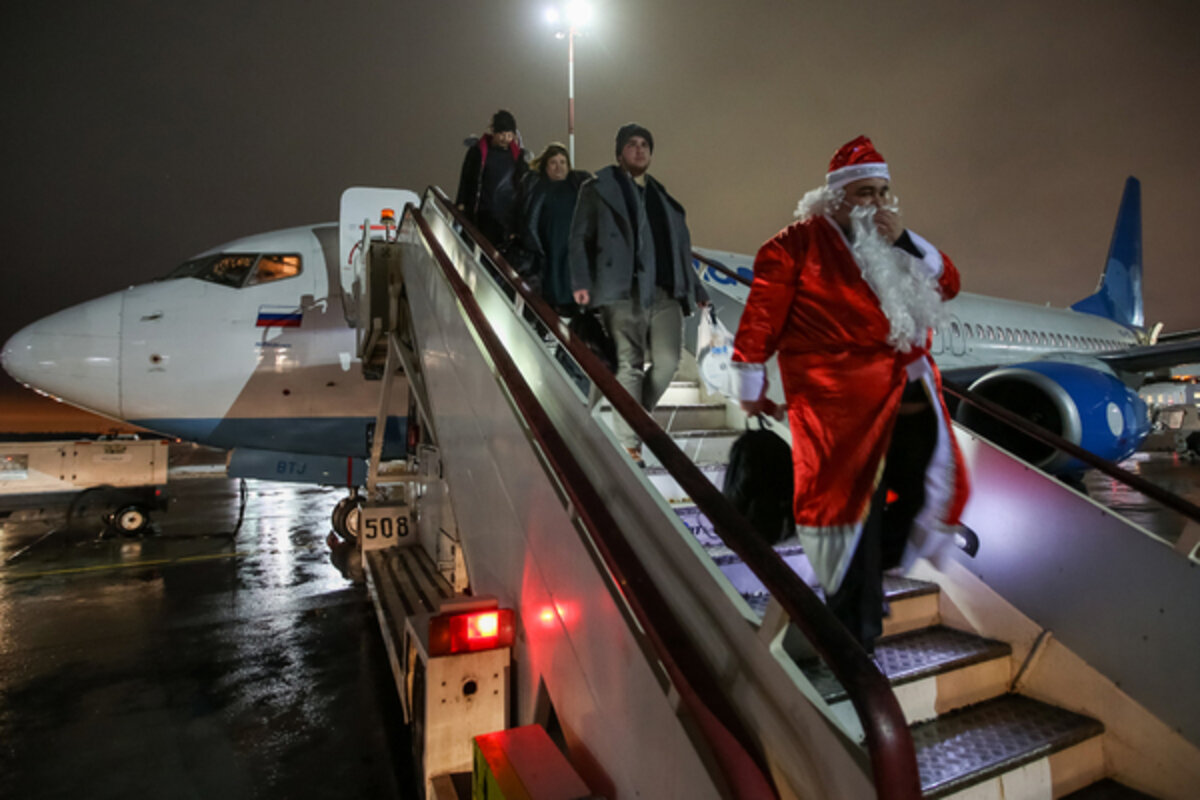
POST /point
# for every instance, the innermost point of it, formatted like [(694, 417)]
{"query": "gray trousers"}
[(654, 333)]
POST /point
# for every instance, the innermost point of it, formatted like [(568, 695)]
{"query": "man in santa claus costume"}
[(847, 297)]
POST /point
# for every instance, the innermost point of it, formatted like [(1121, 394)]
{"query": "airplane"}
[(250, 347)]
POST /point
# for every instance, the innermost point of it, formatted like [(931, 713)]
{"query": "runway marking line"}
[(159, 562)]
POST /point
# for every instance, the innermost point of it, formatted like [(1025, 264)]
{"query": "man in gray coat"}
[(631, 257)]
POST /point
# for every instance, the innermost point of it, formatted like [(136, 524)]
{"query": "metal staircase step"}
[(704, 446), (898, 587), (683, 393), (671, 490), (987, 741), (690, 416), (1108, 789), (912, 605), (932, 671)]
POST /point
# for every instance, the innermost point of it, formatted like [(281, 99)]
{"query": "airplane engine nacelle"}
[(1083, 405)]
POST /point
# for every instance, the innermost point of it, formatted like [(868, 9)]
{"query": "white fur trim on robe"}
[(930, 534), (829, 551), (931, 258), (751, 378)]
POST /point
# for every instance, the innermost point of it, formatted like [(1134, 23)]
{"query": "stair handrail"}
[(745, 777), (1034, 431), (889, 742)]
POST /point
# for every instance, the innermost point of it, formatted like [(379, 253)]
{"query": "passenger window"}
[(275, 268)]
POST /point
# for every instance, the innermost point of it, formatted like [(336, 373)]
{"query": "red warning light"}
[(483, 626), (471, 632)]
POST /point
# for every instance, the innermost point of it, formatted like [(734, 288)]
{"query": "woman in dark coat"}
[(547, 202)]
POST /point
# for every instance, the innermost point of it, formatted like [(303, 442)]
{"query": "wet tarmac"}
[(193, 663)]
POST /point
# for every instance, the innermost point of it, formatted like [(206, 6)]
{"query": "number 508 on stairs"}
[(386, 526)]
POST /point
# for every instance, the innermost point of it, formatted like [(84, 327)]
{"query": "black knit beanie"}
[(628, 131), (503, 121)]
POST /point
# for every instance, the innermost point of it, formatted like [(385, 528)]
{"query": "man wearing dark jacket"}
[(491, 171), (630, 256)]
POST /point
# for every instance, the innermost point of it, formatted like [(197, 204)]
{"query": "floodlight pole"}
[(571, 94)]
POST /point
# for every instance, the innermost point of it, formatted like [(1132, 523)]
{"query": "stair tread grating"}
[(912, 656), (982, 741), (706, 433), (897, 587)]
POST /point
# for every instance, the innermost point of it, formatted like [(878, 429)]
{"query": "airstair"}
[(676, 655), (979, 717)]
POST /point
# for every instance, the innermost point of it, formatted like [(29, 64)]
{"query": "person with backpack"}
[(848, 298), (491, 171)]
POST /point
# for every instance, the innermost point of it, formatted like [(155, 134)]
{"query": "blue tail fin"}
[(1119, 297)]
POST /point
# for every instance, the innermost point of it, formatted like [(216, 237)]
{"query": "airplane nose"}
[(73, 354)]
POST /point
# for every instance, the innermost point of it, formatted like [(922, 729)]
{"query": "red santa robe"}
[(843, 380)]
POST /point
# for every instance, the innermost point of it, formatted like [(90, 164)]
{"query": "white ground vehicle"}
[(121, 480)]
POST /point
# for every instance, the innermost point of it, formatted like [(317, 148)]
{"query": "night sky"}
[(137, 134)]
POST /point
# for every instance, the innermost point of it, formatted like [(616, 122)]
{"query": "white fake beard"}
[(908, 294)]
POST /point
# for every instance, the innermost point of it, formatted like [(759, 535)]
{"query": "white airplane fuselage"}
[(239, 348)]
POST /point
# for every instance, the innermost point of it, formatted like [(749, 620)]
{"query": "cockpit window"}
[(239, 269), (274, 268)]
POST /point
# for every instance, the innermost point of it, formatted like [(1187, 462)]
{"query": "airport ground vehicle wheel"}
[(130, 520), (354, 518)]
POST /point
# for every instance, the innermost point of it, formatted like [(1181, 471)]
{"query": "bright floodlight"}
[(579, 13), (552, 15)]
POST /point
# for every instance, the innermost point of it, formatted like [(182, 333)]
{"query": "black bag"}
[(759, 482), (589, 329)]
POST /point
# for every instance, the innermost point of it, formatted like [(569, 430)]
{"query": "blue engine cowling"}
[(1082, 404)]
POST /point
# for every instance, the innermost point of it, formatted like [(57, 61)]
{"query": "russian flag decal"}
[(279, 317)]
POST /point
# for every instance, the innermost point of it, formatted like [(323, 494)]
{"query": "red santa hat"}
[(854, 161)]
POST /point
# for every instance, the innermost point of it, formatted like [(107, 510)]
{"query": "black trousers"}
[(858, 602)]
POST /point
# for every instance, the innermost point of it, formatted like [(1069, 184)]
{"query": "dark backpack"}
[(759, 482)]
